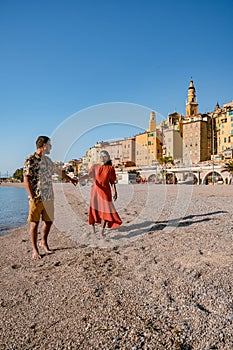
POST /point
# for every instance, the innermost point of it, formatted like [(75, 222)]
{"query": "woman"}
[(102, 209)]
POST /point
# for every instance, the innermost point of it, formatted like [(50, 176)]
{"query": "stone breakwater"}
[(162, 281)]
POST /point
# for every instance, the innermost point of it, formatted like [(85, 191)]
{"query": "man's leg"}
[(44, 238), (47, 217), (34, 236)]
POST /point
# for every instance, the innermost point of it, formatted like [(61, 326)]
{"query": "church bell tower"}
[(152, 122), (191, 104)]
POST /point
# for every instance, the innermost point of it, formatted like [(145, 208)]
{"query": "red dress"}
[(101, 205)]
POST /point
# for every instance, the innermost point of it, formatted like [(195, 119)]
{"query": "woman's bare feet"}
[(35, 255), (102, 234), (93, 228)]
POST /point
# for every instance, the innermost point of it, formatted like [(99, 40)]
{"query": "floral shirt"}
[(40, 171)]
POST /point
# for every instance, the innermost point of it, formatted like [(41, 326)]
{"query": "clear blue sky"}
[(59, 57)]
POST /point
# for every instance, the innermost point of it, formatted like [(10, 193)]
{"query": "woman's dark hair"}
[(41, 141), (109, 162)]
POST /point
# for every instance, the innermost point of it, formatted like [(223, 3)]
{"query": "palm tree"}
[(229, 168), (165, 162)]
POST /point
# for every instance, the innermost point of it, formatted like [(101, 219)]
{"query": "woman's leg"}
[(103, 225)]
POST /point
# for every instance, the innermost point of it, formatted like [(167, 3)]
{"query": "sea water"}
[(13, 208)]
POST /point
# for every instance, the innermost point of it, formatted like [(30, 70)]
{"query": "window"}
[(225, 139), (231, 112), (190, 144), (190, 152)]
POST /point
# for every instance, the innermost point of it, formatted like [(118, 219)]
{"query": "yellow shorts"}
[(44, 209)]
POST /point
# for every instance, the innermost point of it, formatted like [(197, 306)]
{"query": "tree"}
[(18, 174), (229, 168), (167, 160), (135, 171)]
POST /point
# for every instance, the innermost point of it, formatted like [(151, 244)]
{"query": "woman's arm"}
[(114, 191), (84, 177)]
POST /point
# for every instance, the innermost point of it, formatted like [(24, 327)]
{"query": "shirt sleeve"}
[(28, 167)]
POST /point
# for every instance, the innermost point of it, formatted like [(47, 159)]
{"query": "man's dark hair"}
[(41, 141)]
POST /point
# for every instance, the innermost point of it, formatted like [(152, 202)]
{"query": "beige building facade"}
[(148, 145), (197, 139), (114, 148), (172, 131), (224, 130), (129, 151)]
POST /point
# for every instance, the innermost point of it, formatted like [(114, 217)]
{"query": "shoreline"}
[(5, 230), (158, 282), (12, 184)]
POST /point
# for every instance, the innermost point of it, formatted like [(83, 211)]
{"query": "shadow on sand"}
[(152, 226)]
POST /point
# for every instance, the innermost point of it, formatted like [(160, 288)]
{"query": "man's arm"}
[(28, 187), (68, 178)]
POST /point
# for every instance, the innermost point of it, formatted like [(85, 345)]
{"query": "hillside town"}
[(195, 148), (192, 147)]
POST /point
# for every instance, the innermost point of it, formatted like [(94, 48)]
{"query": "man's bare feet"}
[(36, 255), (46, 248)]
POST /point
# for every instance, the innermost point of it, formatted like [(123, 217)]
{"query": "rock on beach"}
[(163, 280)]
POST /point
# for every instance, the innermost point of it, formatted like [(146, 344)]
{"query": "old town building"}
[(224, 130), (173, 137), (197, 139), (197, 132), (149, 144), (188, 140)]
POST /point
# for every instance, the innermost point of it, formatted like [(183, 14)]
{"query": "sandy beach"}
[(163, 280)]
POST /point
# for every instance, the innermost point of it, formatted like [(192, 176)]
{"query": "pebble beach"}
[(163, 280)]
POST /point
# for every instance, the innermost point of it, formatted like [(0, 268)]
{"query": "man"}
[(38, 171)]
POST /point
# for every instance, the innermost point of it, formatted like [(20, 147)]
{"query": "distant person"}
[(102, 210), (38, 170)]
